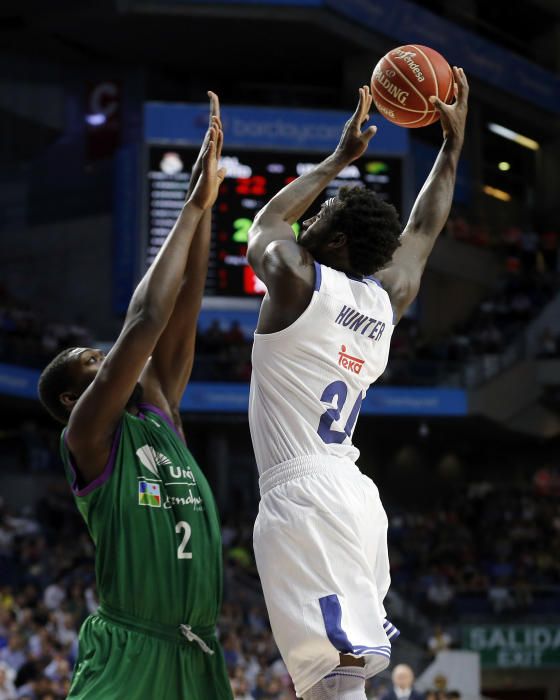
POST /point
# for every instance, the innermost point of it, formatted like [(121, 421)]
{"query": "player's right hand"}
[(354, 142), (453, 117), (208, 185)]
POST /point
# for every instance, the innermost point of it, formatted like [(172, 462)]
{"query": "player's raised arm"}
[(273, 223), (430, 212), (96, 413), (171, 364)]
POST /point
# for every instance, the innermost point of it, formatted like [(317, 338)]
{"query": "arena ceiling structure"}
[(300, 51)]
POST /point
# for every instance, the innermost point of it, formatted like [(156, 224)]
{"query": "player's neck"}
[(340, 263), (347, 269)]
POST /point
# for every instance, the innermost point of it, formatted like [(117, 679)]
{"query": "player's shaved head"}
[(56, 378)]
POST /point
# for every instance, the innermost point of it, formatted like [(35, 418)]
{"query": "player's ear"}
[(68, 399), (338, 240)]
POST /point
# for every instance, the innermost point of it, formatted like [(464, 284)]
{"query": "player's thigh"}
[(374, 524)]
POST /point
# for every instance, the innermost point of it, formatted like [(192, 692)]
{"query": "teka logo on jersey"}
[(352, 364), (408, 57)]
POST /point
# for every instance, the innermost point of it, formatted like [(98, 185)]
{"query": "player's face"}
[(317, 230), (85, 364)]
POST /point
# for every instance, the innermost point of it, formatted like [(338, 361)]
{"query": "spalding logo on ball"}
[(403, 82)]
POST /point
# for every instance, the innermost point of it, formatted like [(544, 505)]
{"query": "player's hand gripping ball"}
[(403, 82)]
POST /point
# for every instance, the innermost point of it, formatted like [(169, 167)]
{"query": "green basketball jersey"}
[(155, 525)]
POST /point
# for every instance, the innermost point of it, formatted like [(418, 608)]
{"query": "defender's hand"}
[(353, 142), (208, 185), (453, 117), (214, 114)]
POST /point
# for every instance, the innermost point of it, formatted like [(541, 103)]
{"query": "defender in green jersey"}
[(147, 505)]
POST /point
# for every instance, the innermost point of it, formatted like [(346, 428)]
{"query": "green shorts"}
[(121, 658)]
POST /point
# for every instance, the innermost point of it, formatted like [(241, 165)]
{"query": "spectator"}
[(439, 641), (7, 688), (440, 594), (13, 654), (53, 596), (403, 685), (548, 344), (500, 597)]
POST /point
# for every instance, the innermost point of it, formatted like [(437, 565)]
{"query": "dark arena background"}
[(102, 108)]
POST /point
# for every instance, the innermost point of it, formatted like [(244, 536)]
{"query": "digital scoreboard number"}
[(253, 177)]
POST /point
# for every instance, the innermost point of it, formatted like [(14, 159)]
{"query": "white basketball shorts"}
[(320, 542)]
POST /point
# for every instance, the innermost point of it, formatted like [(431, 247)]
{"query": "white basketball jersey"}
[(309, 379)]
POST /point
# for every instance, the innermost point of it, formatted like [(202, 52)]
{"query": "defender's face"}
[(85, 364)]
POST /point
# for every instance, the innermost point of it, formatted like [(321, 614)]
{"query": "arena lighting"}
[(498, 194), (504, 166), (513, 136), (96, 119)]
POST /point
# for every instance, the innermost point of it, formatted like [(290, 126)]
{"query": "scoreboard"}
[(253, 177)]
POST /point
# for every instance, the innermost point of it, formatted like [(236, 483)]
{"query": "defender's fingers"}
[(216, 122), (211, 147), (214, 104), (370, 132), (356, 117), (219, 144)]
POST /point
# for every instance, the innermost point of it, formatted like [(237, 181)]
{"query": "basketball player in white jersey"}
[(323, 337)]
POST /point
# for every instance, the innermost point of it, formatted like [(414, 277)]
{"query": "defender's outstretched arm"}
[(430, 212), (96, 413), (170, 367)]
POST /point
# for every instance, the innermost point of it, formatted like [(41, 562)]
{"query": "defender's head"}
[(355, 231), (65, 379)]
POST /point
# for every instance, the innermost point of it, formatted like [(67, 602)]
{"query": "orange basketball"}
[(404, 80)]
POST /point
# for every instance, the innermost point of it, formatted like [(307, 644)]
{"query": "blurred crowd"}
[(530, 278), (223, 354), (447, 563), (28, 339), (442, 561)]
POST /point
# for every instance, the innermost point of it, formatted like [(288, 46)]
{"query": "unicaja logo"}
[(408, 57), (393, 90)]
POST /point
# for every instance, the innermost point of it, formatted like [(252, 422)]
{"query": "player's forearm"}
[(293, 200), (173, 355), (157, 293), (181, 327), (433, 204)]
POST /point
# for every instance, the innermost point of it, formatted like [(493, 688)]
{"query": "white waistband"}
[(304, 466)]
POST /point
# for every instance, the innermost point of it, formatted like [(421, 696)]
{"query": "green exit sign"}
[(514, 646)]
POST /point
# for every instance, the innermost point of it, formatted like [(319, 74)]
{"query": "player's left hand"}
[(354, 142), (453, 117)]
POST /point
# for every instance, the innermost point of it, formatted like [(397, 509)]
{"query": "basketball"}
[(403, 82)]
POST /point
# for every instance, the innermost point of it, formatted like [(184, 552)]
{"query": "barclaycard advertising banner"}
[(264, 128), (514, 646), (223, 397)]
